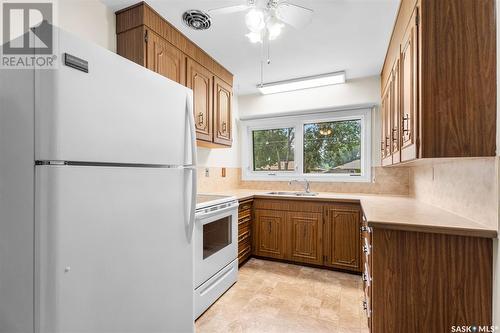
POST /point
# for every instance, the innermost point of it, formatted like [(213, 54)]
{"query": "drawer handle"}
[(200, 118), (365, 305), (406, 122), (244, 207), (366, 229), (366, 249), (366, 278)]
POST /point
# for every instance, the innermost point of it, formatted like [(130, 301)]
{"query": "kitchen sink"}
[(297, 194)]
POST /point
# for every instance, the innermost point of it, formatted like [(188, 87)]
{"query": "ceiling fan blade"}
[(228, 10), (294, 15)]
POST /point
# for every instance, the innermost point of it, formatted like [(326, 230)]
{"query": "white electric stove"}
[(216, 248)]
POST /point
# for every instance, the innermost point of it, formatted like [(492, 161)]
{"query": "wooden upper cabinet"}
[(201, 81), (270, 233), (165, 59), (445, 84), (396, 114), (222, 112), (409, 90), (387, 106), (305, 235), (342, 237), (147, 38)]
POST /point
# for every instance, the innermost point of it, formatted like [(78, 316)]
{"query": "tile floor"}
[(277, 297)]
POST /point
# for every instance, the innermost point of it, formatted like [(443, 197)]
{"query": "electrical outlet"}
[(207, 172)]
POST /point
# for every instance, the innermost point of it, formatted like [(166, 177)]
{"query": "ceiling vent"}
[(196, 19)]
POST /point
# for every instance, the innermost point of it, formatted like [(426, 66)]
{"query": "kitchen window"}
[(330, 146)]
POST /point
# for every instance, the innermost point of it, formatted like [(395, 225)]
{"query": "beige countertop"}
[(392, 212)]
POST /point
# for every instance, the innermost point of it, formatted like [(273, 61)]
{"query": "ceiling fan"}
[(266, 18)]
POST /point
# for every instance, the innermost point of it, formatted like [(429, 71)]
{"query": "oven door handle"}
[(204, 216)]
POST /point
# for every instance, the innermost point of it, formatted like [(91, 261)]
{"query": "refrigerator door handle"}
[(194, 178)]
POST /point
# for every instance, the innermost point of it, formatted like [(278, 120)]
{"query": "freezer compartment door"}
[(113, 250), (118, 112)]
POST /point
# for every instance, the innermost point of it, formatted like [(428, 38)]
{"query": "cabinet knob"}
[(224, 126), (200, 118)]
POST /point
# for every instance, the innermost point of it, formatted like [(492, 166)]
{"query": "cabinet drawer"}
[(244, 235), (244, 218), (244, 252), (246, 205), (245, 225)]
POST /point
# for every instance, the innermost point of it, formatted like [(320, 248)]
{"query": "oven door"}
[(216, 242)]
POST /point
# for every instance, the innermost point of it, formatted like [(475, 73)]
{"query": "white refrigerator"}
[(97, 197)]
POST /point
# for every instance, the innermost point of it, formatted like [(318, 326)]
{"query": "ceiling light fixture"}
[(274, 28), (302, 83), (255, 20), (254, 37)]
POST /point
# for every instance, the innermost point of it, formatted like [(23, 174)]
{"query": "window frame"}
[(298, 122)]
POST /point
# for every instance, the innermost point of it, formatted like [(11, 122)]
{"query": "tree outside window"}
[(333, 147)]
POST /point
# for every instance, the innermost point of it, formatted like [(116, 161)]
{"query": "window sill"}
[(251, 176)]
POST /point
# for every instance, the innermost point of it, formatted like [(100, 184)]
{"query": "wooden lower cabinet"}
[(318, 233), (245, 230), (426, 282), (305, 234), (270, 233), (342, 237)]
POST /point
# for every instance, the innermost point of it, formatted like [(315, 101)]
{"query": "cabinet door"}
[(164, 58), (305, 237), (409, 90), (270, 225), (342, 237), (386, 123), (201, 81), (222, 112), (396, 114)]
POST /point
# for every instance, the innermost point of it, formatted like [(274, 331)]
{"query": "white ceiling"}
[(350, 35)]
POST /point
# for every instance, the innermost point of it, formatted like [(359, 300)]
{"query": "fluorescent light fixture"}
[(302, 83)]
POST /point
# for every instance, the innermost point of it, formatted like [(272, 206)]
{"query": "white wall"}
[(353, 92), (88, 19)]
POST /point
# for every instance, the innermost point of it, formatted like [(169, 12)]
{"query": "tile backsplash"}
[(466, 187), (389, 181)]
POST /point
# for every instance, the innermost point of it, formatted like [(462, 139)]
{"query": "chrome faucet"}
[(307, 186)]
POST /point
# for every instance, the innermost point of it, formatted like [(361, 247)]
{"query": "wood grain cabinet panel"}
[(424, 282), (342, 237), (146, 38), (409, 90), (245, 230), (305, 237), (387, 106), (163, 58), (222, 112), (318, 233), (446, 91), (201, 81), (396, 118), (270, 233)]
